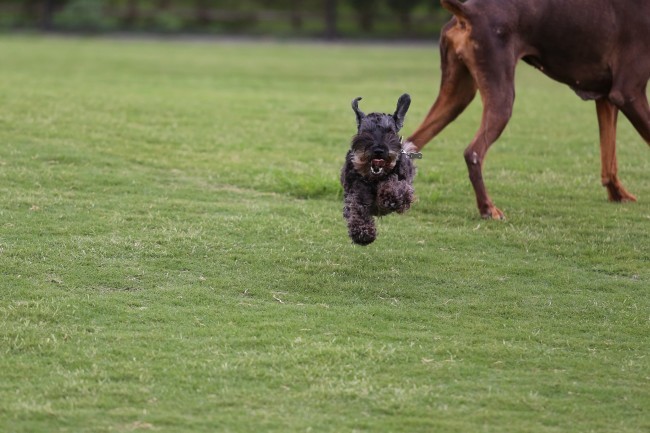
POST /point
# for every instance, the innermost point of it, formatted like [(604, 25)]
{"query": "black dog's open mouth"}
[(377, 166)]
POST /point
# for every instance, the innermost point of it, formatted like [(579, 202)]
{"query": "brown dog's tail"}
[(456, 7)]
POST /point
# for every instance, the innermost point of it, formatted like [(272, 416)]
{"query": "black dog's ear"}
[(403, 104), (360, 114)]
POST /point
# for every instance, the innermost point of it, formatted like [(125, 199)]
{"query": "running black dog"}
[(377, 176)]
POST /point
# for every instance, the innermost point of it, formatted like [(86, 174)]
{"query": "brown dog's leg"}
[(457, 90), (607, 116), (637, 110), (497, 109)]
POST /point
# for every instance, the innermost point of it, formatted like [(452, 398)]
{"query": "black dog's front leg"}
[(394, 195), (357, 210)]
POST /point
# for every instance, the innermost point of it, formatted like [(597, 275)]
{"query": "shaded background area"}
[(385, 19)]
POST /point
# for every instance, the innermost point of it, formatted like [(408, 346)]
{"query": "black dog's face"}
[(377, 146)]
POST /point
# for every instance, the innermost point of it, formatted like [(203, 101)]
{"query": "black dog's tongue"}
[(377, 166)]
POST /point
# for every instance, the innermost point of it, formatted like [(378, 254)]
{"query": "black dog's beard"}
[(375, 155), (370, 167)]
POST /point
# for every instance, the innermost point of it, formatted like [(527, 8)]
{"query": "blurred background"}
[(329, 19)]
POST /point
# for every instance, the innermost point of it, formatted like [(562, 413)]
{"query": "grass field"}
[(173, 256)]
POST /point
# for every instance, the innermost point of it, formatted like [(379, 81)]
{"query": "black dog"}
[(600, 48), (378, 173)]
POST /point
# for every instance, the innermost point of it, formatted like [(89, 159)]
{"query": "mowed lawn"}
[(173, 256)]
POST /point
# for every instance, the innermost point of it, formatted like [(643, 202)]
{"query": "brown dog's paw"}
[(493, 213), (363, 234), (616, 193)]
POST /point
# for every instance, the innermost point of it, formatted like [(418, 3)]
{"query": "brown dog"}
[(600, 48)]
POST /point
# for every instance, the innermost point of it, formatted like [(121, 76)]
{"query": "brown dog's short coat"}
[(600, 48)]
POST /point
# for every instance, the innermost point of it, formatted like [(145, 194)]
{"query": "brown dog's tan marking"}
[(457, 88), (600, 48)]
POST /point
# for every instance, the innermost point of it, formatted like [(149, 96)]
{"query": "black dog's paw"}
[(363, 234), (395, 196)]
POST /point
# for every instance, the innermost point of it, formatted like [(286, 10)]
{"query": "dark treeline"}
[(318, 18)]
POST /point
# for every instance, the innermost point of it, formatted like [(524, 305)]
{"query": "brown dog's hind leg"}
[(494, 121), (498, 94), (637, 110), (607, 117), (457, 90)]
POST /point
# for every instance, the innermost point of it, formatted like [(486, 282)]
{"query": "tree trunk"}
[(366, 20), (405, 21), (331, 19), (47, 18), (296, 15), (163, 5), (132, 13), (202, 12)]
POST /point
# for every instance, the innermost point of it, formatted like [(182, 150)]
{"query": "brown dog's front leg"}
[(607, 117)]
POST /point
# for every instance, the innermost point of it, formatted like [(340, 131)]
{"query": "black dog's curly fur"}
[(377, 176)]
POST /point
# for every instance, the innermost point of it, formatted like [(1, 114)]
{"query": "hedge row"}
[(331, 18)]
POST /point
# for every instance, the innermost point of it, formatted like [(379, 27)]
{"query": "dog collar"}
[(412, 155)]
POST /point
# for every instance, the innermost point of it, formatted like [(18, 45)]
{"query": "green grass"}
[(173, 256)]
